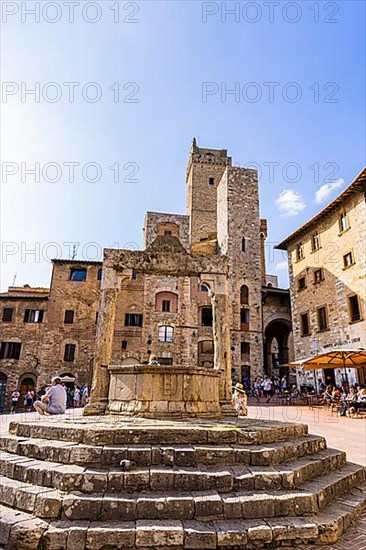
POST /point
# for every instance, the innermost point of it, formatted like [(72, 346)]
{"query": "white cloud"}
[(290, 202), (325, 190), (282, 265)]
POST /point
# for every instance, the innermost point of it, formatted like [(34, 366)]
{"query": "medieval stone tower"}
[(223, 211)]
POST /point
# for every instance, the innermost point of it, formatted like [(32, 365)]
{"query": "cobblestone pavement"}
[(347, 434), (354, 539)]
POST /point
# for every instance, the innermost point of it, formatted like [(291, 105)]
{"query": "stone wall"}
[(204, 164), (83, 298), (338, 282), (238, 219), (156, 223), (43, 344), (30, 335), (140, 296)]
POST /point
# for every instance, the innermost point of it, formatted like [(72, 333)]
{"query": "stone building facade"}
[(48, 331), (163, 305), (327, 263)]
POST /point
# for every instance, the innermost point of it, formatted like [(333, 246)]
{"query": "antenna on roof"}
[(14, 279), (74, 250)]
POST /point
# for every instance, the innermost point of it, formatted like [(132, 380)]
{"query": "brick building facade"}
[(220, 240), (327, 263)]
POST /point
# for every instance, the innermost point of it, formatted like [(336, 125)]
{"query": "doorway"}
[(27, 383), (3, 382)]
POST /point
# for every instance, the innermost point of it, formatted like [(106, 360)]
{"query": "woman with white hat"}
[(240, 400)]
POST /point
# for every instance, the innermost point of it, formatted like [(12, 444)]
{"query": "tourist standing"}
[(68, 398), (258, 386), (29, 400), (84, 395), (267, 388), (14, 401), (77, 397)]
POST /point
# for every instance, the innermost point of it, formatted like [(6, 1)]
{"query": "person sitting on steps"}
[(54, 400)]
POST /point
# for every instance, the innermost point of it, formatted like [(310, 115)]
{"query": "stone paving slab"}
[(108, 431), (353, 539), (72, 477), (179, 455)]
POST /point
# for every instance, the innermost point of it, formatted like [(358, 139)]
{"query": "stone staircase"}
[(107, 483)]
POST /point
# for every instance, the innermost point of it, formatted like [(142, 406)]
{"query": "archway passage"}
[(3, 382), (276, 346), (68, 379), (26, 383)]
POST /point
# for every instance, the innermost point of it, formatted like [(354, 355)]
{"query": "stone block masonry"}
[(161, 306)]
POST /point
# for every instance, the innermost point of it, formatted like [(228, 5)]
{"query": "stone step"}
[(40, 501), (210, 505), (164, 478), (19, 531), (123, 432), (178, 455), (51, 503)]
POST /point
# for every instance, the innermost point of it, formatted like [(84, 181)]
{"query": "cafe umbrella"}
[(340, 358)]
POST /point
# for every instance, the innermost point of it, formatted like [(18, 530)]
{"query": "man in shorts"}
[(54, 400)]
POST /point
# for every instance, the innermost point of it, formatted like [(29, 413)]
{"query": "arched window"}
[(166, 333), (100, 274), (204, 287), (243, 244), (244, 294)]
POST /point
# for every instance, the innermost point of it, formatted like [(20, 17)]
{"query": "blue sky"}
[(164, 60)]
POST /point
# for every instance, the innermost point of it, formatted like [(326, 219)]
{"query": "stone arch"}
[(203, 286), (244, 294), (67, 377), (26, 375), (279, 330)]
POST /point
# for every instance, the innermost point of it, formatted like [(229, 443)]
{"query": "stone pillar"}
[(103, 350), (221, 336)]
